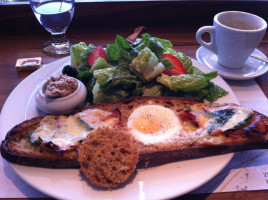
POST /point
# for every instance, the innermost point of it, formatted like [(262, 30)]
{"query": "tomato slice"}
[(178, 68)]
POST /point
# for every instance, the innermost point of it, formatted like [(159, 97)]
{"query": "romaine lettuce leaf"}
[(113, 52), (183, 82), (83, 65), (121, 51), (102, 76), (98, 95), (117, 83), (79, 54), (88, 79), (210, 75), (100, 63), (156, 90), (146, 63), (75, 52), (214, 92), (153, 44), (193, 86), (165, 43)]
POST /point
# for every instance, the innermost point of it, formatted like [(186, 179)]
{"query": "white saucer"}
[(252, 68)]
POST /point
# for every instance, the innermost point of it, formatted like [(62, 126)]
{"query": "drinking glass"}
[(55, 16)]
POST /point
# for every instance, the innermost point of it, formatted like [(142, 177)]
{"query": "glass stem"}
[(59, 38)]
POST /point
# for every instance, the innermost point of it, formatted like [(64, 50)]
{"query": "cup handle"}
[(212, 44)]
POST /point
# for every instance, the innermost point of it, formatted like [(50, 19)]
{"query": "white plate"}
[(252, 68), (161, 182)]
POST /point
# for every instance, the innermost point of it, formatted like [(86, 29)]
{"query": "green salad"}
[(149, 67)]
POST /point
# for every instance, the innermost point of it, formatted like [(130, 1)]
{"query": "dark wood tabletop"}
[(23, 37)]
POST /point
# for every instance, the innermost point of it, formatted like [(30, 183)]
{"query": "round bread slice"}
[(108, 157)]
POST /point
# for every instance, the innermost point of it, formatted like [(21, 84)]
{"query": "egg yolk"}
[(147, 123)]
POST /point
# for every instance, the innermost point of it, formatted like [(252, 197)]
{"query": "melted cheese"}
[(70, 133), (66, 132), (46, 129), (97, 117), (240, 115), (44, 133)]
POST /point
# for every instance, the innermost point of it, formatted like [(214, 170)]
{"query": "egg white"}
[(151, 124)]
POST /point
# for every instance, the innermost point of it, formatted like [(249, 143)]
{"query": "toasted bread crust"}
[(17, 149), (161, 157)]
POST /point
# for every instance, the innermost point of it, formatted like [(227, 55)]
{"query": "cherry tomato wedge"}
[(178, 68)]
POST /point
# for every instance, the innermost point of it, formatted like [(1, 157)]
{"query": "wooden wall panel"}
[(20, 18)]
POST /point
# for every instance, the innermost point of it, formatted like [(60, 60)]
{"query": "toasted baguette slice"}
[(191, 141)]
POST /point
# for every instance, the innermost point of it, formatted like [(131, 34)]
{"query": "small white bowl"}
[(63, 105)]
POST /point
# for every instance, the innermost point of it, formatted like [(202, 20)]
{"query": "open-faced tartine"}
[(163, 128)]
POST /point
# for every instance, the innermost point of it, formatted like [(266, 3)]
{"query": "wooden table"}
[(21, 44)]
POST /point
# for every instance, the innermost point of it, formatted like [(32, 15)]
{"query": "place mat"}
[(246, 171)]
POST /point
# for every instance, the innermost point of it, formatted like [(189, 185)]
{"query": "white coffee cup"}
[(234, 36)]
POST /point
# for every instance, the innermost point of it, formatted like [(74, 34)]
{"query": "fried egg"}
[(151, 124)]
